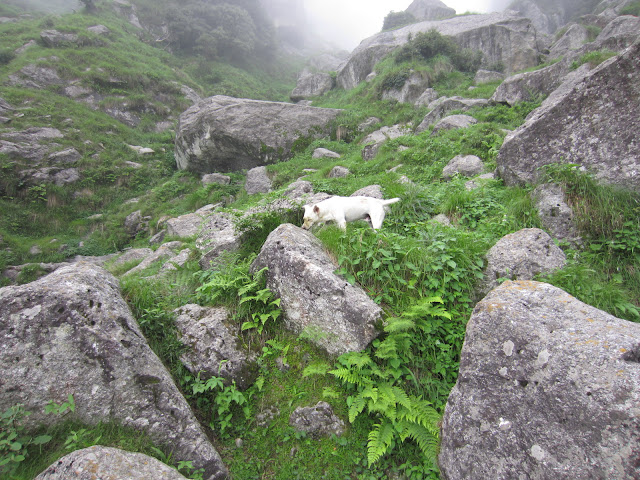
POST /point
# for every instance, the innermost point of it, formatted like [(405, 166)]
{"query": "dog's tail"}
[(390, 201)]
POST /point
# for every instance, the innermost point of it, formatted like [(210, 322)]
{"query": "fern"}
[(380, 439), (426, 440)]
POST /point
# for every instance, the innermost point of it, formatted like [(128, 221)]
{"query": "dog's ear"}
[(316, 209)]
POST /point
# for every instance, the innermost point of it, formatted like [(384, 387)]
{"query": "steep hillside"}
[(221, 338), (98, 85)]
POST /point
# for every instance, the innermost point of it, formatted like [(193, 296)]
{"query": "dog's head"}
[(311, 215)]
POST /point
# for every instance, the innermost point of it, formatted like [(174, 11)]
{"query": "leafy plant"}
[(378, 378), (14, 441), (225, 397)]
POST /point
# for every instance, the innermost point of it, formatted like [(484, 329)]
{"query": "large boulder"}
[(443, 105), (74, 334), (108, 463), (212, 351), (529, 86), (316, 302), (312, 85), (430, 10), (548, 387), (555, 213), (592, 122), (521, 256), (411, 90), (575, 36), (222, 134), (502, 38)]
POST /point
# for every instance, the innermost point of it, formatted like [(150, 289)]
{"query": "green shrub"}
[(632, 8), (395, 20), (593, 58)]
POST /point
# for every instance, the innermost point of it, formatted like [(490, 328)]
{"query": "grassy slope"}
[(408, 261)]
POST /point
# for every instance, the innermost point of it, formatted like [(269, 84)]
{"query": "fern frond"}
[(350, 376), (427, 441), (401, 324), (388, 348), (358, 360), (356, 408), (317, 368), (421, 413), (380, 439), (401, 397)]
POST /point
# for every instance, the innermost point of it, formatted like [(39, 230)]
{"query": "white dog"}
[(346, 209)]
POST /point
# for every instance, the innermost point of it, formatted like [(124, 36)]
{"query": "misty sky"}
[(347, 22)]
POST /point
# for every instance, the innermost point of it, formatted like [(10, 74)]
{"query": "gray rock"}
[(312, 85), (530, 86), (368, 123), (454, 121), (158, 238), (324, 153), (374, 191), (339, 172), (430, 10), (54, 38), (224, 133), (258, 181), (444, 105), (134, 223), (317, 421), (33, 135), (521, 256), (66, 156), (619, 34), (502, 38), (132, 255), (212, 350), (74, 334), (266, 417), (190, 94), (465, 165), (370, 151), (554, 212), (591, 122), (549, 387), (217, 235), (441, 219), (386, 133), (35, 76), (218, 178), (413, 88), (108, 463), (99, 30), (317, 303), (576, 36), (25, 47), (165, 253), (5, 107), (188, 225), (426, 97), (487, 76)]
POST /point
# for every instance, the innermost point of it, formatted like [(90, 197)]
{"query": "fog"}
[(48, 6), (347, 22)]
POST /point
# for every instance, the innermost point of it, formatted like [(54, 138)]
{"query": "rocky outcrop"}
[(316, 302), (452, 122), (592, 122), (258, 181), (54, 38), (530, 86), (443, 105), (464, 165), (411, 91), (108, 463), (312, 85), (430, 10), (575, 36), (217, 235), (74, 334), (502, 38), (222, 134), (212, 350), (324, 153), (548, 388), (619, 34), (521, 256), (317, 421), (554, 212)]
